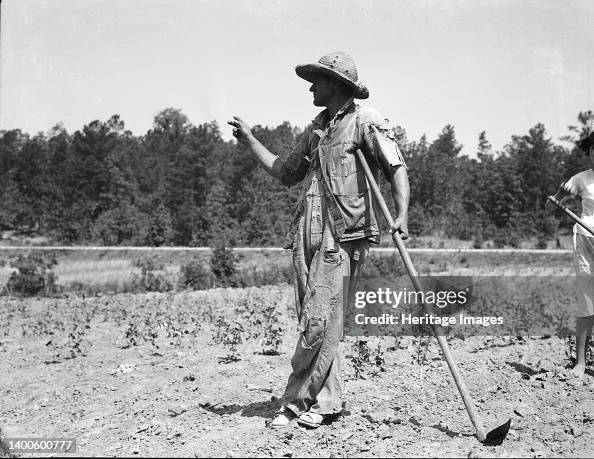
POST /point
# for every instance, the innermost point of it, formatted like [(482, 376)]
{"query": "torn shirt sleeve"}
[(381, 144), (294, 168)]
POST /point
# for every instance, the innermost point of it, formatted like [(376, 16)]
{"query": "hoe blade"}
[(496, 436)]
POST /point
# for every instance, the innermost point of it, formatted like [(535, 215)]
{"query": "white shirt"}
[(582, 184)]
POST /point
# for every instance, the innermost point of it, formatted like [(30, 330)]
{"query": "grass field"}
[(113, 271)]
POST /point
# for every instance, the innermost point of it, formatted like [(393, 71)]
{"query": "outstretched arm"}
[(401, 194), (269, 161)]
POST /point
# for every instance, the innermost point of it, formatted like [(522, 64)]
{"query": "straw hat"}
[(339, 65)]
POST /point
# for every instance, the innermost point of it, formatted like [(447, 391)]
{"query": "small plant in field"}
[(183, 325), (71, 347), (273, 330), (379, 357), (230, 335), (363, 359), (264, 323), (223, 264), (208, 314), (174, 329), (195, 275), (140, 331), (75, 339), (149, 280), (134, 334), (42, 327), (360, 358), (34, 275), (396, 345)]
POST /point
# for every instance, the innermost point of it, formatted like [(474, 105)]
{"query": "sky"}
[(498, 66)]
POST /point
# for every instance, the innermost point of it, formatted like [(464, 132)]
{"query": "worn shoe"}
[(282, 419), (311, 420)]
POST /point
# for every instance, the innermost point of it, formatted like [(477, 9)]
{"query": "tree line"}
[(184, 185)]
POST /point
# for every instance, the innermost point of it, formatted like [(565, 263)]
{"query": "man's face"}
[(323, 89)]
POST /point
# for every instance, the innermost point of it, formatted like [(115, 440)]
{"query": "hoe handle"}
[(437, 330), (573, 216)]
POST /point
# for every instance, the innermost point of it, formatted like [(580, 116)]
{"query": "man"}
[(581, 186), (333, 225)]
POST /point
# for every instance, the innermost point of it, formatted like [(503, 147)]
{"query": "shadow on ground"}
[(258, 409)]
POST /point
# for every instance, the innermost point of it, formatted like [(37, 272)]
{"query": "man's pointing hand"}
[(242, 131)]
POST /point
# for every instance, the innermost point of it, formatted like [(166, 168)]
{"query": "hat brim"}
[(586, 143), (309, 71)]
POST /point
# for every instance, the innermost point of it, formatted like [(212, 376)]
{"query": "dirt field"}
[(141, 375)]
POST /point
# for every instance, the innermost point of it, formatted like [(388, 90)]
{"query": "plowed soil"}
[(76, 367)]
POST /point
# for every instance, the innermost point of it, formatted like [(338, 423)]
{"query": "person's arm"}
[(401, 195), (290, 170), (380, 144), (268, 160)]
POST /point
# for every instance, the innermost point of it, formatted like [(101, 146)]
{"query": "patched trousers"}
[(324, 272)]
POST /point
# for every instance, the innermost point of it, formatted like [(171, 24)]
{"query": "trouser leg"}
[(316, 381), (321, 327), (329, 400)]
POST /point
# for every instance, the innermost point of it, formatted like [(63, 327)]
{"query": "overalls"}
[(323, 267)]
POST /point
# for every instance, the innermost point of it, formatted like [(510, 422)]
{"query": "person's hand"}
[(564, 191), (242, 131), (401, 225), (562, 195)]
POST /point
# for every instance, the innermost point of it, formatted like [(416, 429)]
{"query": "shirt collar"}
[(318, 121)]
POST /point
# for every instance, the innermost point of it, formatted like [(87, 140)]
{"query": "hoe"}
[(494, 436)]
